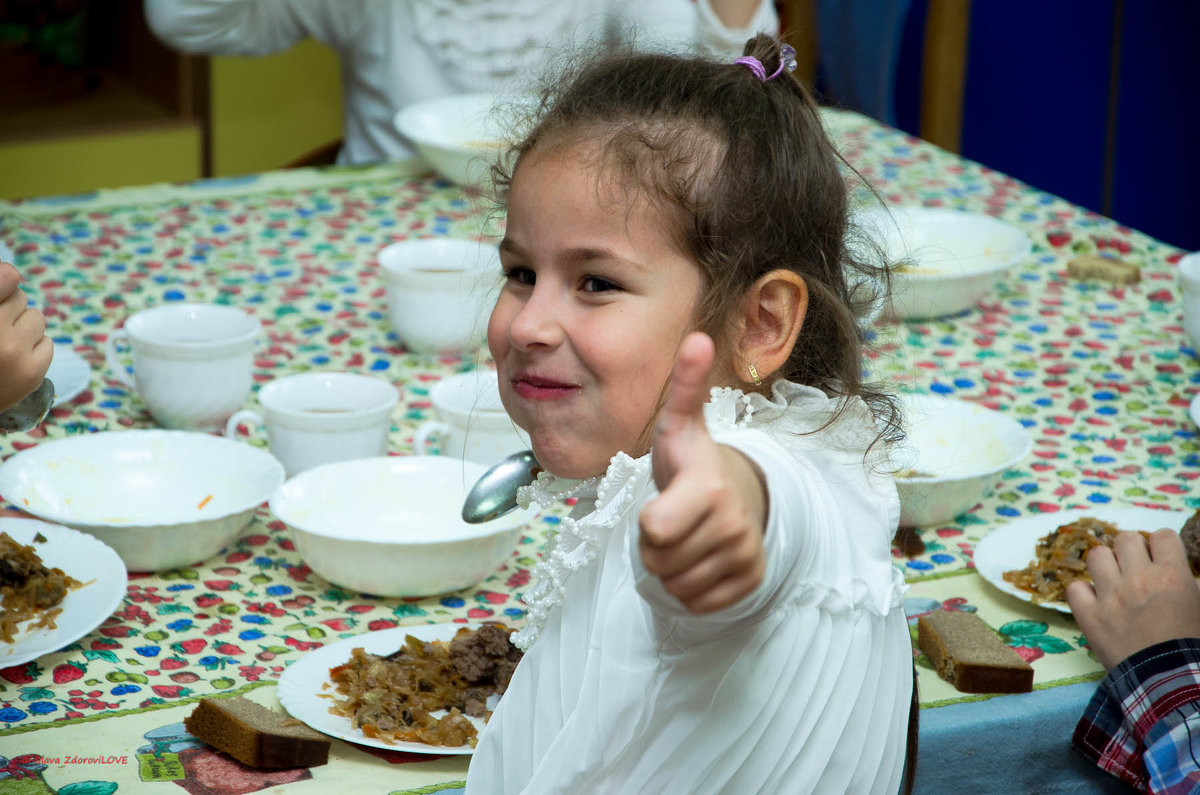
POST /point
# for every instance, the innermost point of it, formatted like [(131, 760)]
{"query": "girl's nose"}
[(537, 323)]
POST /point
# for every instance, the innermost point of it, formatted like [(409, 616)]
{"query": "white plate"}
[(1194, 409), (70, 373), (1011, 546), (6, 254), (305, 685), (86, 559)]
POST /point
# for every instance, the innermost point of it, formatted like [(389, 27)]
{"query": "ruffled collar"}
[(604, 501)]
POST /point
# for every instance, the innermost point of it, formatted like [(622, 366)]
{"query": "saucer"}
[(70, 373)]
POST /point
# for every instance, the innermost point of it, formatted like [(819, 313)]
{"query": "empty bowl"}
[(391, 526), (460, 136), (160, 499), (946, 260), (953, 456), (440, 292)]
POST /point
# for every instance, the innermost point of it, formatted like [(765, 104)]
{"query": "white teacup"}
[(319, 418), (1189, 282), (472, 422), (192, 363), (440, 292)]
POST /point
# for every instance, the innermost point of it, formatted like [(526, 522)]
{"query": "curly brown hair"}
[(750, 182)]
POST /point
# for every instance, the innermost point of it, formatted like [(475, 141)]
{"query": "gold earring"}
[(754, 375)]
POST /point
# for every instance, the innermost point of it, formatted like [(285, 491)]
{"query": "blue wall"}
[(1039, 92), (1157, 164)]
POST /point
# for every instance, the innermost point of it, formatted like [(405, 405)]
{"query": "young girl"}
[(677, 334)]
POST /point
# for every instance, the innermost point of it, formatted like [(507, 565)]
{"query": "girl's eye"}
[(523, 276), (594, 284)]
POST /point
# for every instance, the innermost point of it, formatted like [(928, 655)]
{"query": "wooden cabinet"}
[(90, 99), (269, 112)]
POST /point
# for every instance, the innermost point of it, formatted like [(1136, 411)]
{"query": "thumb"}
[(681, 423)]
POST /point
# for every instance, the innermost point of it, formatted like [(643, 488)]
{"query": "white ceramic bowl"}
[(161, 499), (460, 136), (391, 526), (954, 257), (1189, 283), (440, 292), (956, 452)]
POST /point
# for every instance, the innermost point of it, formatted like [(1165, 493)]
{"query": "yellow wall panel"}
[(83, 163), (268, 111)]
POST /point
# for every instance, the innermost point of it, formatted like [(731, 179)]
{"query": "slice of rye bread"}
[(1104, 269), (255, 735), (968, 654)]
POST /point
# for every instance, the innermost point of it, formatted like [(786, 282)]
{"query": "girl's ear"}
[(771, 315)]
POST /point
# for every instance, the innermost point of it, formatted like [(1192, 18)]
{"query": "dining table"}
[(1100, 375)]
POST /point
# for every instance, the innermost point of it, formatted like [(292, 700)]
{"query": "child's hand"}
[(25, 350), (1144, 594), (703, 534)]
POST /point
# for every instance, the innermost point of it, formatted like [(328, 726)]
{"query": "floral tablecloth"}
[(1100, 375)]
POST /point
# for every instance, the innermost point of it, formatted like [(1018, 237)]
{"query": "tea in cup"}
[(192, 363), (471, 421), (440, 292), (319, 418)]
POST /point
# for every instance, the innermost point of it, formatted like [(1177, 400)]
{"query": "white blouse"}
[(803, 686), (396, 52)]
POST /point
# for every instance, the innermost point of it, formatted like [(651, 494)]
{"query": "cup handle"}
[(110, 357), (248, 416), (424, 432)]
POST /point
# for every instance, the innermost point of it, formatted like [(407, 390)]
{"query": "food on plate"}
[(1061, 559), (393, 698), (28, 589), (255, 735), (968, 654)]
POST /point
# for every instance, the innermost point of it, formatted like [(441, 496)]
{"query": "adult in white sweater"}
[(395, 52)]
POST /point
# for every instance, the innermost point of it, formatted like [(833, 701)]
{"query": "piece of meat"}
[(485, 657)]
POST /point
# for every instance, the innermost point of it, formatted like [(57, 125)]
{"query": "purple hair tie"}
[(787, 62)]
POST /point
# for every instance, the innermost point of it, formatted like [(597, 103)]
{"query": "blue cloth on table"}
[(1009, 745)]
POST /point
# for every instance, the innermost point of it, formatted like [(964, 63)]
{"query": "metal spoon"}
[(29, 410), (495, 494)]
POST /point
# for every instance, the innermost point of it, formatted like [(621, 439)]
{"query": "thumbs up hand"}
[(703, 535)]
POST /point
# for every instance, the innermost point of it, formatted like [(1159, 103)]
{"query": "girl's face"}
[(595, 302)]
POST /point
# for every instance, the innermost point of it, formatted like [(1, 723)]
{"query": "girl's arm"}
[(245, 27), (702, 537)]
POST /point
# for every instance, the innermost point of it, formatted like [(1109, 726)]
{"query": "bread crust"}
[(256, 736), (968, 654), (1104, 269)]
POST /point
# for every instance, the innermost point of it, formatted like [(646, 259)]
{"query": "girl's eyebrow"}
[(581, 255)]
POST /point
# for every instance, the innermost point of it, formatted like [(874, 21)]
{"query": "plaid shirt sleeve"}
[(1143, 723)]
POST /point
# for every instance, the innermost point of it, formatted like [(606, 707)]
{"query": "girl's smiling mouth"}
[(535, 387)]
